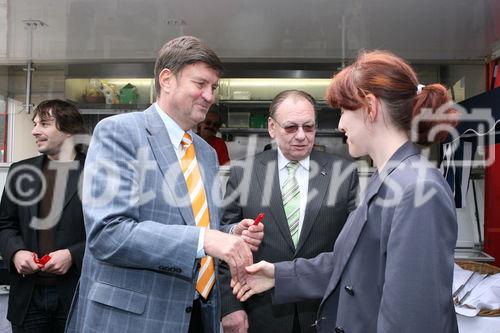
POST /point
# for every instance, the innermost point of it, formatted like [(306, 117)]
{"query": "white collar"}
[(175, 132), (283, 161)]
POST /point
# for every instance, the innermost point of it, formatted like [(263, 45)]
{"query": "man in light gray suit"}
[(146, 196), (327, 188)]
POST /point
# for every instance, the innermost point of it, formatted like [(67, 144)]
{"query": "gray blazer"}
[(140, 266), (391, 269), (332, 191)]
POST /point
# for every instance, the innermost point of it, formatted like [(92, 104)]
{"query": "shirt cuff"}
[(201, 244)]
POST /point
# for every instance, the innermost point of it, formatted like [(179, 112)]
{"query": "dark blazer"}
[(391, 270), (16, 233), (332, 188)]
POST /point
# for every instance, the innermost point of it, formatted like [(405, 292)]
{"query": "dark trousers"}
[(196, 323), (46, 313), (296, 323)]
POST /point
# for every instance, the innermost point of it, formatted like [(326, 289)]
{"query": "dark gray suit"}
[(391, 270), (331, 197)]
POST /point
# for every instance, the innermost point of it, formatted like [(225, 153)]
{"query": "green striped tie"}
[(291, 200)]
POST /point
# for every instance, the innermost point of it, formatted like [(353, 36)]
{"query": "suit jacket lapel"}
[(349, 236), (73, 178), (37, 185), (276, 202), (318, 186), (168, 163)]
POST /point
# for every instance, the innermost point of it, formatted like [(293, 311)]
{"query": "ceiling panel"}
[(257, 30)]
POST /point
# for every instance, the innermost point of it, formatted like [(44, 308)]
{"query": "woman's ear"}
[(373, 108)]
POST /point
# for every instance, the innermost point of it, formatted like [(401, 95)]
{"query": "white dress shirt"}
[(176, 133)]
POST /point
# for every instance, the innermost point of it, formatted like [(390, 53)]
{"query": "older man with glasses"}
[(208, 130), (306, 196)]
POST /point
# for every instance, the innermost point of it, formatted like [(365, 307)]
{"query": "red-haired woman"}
[(392, 266)]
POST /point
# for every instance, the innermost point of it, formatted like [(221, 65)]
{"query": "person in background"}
[(42, 234), (151, 203), (207, 129), (299, 224), (391, 269)]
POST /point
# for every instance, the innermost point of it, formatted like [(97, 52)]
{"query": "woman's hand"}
[(259, 279)]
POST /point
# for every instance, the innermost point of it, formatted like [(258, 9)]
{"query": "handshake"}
[(235, 248)]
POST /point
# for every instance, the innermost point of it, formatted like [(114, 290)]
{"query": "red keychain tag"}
[(45, 259), (40, 262), (259, 218)]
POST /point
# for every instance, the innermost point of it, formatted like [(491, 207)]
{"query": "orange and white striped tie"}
[(191, 171)]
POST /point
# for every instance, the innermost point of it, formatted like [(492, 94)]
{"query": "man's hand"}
[(232, 249), (251, 234), (59, 262), (23, 260), (235, 322), (260, 279)]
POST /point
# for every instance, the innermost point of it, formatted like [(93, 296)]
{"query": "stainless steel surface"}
[(472, 254), (135, 70), (259, 30), (5, 326)]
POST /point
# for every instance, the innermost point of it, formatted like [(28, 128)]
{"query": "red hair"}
[(391, 79)]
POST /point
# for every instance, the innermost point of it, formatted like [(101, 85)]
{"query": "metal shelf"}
[(107, 109), (472, 254)]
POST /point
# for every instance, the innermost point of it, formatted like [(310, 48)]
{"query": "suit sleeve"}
[(77, 250), (302, 279), (419, 266), (231, 216), (113, 189), (11, 239)]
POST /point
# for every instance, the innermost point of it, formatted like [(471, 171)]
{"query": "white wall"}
[(20, 142), (4, 168)]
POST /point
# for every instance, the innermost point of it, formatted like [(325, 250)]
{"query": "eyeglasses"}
[(292, 128), (212, 123)]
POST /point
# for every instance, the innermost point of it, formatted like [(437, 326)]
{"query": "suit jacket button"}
[(189, 309), (339, 329), (349, 290)]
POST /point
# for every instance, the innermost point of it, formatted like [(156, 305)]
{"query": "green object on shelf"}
[(258, 121), (128, 94)]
